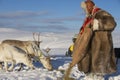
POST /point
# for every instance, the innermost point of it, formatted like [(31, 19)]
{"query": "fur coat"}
[(99, 56)]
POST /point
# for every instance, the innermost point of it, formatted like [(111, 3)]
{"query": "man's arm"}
[(104, 21)]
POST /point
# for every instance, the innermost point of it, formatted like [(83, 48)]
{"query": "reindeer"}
[(33, 50), (13, 54)]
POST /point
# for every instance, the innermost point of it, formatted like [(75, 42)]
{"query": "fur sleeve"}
[(106, 21)]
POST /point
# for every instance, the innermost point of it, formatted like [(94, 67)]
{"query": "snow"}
[(58, 42)]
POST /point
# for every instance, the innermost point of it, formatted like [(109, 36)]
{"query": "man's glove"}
[(95, 25)]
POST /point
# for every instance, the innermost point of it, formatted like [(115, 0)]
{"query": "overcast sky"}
[(50, 15)]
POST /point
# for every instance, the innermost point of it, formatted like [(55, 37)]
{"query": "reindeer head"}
[(46, 63), (44, 60)]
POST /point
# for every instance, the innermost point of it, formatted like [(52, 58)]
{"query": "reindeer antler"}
[(34, 36), (39, 39), (38, 36)]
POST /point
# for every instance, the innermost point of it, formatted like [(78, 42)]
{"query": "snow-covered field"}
[(58, 42)]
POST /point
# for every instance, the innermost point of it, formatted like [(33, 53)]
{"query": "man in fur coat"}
[(93, 50)]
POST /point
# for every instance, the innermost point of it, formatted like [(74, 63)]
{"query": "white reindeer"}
[(33, 50), (13, 55)]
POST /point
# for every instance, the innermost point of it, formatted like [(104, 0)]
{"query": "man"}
[(93, 49)]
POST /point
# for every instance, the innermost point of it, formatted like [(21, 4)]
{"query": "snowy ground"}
[(58, 44), (59, 63)]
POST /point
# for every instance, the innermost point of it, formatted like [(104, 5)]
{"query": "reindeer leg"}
[(29, 64), (6, 66), (1, 66), (21, 67), (12, 66)]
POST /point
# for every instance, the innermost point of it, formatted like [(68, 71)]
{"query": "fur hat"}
[(84, 3), (87, 6)]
